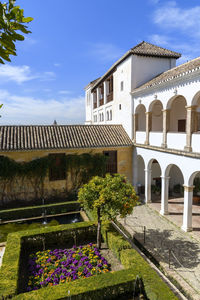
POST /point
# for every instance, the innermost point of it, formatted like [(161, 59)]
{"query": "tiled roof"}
[(182, 70), (36, 137), (148, 49), (143, 49), (90, 84)]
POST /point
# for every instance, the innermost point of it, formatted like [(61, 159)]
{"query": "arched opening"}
[(157, 116), (175, 194), (141, 117), (195, 182), (140, 177), (155, 182), (178, 114)]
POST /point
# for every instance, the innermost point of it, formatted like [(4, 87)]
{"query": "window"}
[(181, 125), (110, 115), (57, 169), (122, 85), (111, 163), (120, 106)]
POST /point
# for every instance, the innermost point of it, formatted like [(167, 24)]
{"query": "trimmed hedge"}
[(35, 211), (155, 287), (105, 286), (9, 272)]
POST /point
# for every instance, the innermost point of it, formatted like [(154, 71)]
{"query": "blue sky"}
[(74, 41)]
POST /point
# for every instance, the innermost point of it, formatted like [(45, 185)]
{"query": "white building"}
[(158, 104)]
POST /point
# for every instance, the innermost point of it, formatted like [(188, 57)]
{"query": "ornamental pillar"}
[(147, 186), (187, 211), (191, 126), (164, 195), (135, 126), (166, 116), (148, 125)]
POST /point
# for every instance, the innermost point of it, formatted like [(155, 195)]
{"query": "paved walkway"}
[(162, 235)]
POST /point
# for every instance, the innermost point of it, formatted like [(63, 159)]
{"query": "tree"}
[(12, 22), (109, 197)]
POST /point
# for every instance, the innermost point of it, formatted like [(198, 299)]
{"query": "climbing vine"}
[(20, 179)]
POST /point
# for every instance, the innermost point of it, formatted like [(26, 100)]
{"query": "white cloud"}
[(171, 16), (57, 65), (28, 110), (64, 92), (105, 51), (20, 74)]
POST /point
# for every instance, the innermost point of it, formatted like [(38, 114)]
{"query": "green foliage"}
[(33, 239), (81, 168), (14, 227), (12, 21), (155, 287), (105, 286), (35, 211), (112, 195)]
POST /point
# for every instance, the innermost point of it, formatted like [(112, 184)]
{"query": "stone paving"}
[(162, 235)]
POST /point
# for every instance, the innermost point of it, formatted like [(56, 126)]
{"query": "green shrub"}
[(154, 286), (114, 240), (35, 211), (22, 241)]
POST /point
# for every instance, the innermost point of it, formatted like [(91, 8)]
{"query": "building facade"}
[(158, 105)]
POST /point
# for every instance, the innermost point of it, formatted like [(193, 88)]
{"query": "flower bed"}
[(51, 267)]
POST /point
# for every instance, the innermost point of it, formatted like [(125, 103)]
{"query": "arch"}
[(196, 99), (178, 113), (141, 119), (156, 108), (176, 180), (192, 177)]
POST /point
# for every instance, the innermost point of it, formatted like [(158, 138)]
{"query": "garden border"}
[(97, 286), (33, 211)]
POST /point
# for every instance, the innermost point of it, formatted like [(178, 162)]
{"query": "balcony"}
[(176, 140), (155, 138), (140, 137), (110, 97), (196, 142)]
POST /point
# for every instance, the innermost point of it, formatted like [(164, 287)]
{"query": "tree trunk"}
[(99, 229)]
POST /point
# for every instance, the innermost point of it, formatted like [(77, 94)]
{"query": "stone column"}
[(187, 212), (166, 115), (135, 126), (191, 123), (147, 186), (98, 96), (105, 92), (148, 125), (164, 195)]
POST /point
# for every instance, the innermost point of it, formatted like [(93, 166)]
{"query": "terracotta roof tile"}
[(144, 49), (15, 138)]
